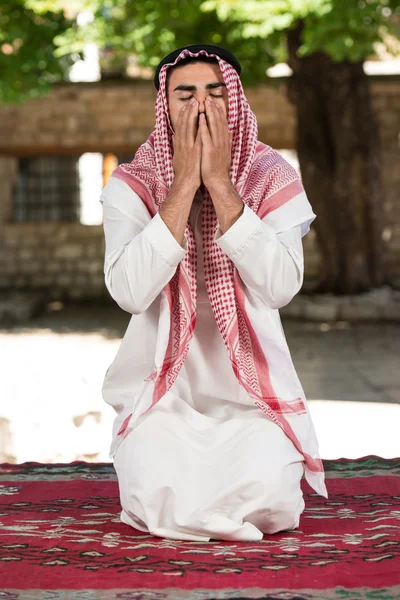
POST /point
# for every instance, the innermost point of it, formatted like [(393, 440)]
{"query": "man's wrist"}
[(222, 183), (185, 184), (227, 202)]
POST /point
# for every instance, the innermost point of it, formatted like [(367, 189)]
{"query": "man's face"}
[(197, 80)]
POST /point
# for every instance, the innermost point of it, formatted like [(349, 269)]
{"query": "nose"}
[(201, 99)]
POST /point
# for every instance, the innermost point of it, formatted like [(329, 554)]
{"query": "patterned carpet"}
[(61, 538)]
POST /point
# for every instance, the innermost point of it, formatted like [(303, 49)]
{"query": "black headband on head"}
[(221, 52)]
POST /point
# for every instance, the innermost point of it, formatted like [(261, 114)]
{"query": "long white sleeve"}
[(141, 254), (270, 264)]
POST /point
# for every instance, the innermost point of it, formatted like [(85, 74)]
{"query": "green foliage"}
[(38, 42), (28, 65), (344, 29), (153, 28)]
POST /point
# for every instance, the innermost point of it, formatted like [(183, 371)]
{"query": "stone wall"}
[(66, 259), (111, 117)]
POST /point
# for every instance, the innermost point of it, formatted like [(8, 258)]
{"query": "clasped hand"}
[(216, 140), (206, 155)]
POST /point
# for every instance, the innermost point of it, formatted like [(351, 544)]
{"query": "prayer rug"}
[(61, 538)]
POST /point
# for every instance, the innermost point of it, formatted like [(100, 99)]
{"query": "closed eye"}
[(190, 97)]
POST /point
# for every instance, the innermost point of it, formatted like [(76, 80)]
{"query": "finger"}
[(183, 121), (220, 117), (180, 124), (223, 123), (224, 135), (205, 134), (211, 118), (219, 109), (186, 124), (192, 122), (198, 141), (181, 114)]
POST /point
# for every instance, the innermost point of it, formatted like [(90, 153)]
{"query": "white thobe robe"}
[(205, 462)]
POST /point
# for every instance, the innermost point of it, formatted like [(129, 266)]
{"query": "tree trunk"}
[(340, 162)]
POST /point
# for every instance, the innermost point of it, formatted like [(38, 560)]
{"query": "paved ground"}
[(51, 408)]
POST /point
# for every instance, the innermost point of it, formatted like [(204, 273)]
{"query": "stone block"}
[(92, 250), (71, 141), (380, 296), (44, 253), (320, 311), (394, 103), (68, 251), (294, 309), (83, 265), (309, 285), (391, 311), (11, 242), (5, 281), (52, 266), (47, 138), (42, 279), (76, 293), (73, 122), (89, 94), (31, 266), (53, 123), (102, 109), (94, 232), (14, 266), (95, 266), (29, 237), (64, 279), (117, 137), (94, 292), (389, 87), (379, 102), (68, 266), (97, 280), (7, 255), (358, 312), (81, 280), (21, 281), (388, 118), (56, 293), (62, 233), (26, 253), (115, 121)]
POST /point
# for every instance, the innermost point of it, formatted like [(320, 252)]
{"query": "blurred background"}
[(77, 98)]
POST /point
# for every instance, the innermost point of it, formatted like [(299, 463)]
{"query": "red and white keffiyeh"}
[(265, 182)]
